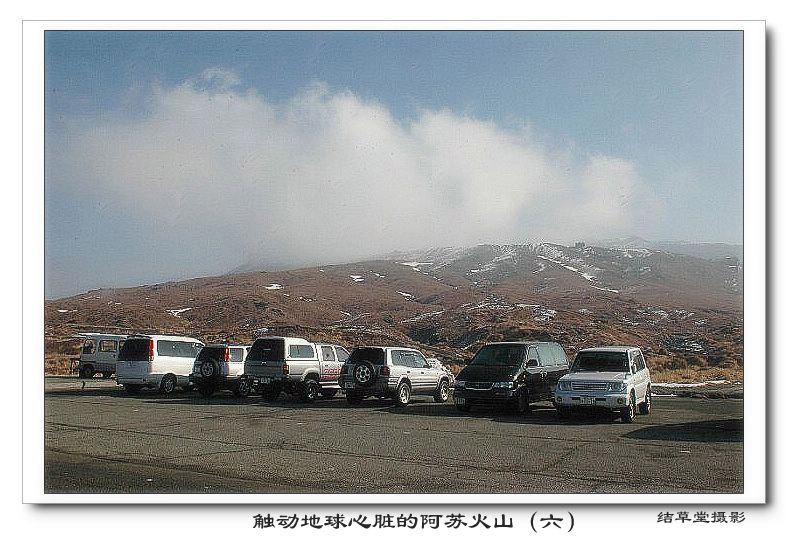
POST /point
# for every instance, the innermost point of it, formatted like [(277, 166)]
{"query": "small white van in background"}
[(99, 353), (156, 361)]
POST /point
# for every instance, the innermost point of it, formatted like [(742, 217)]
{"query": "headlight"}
[(618, 386), (459, 383), (503, 385), (565, 386)]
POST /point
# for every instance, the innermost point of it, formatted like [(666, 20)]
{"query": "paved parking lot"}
[(98, 439)]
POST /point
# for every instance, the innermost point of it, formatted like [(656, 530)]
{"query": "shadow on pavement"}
[(716, 430)]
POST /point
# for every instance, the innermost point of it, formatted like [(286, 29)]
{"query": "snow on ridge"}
[(605, 289), (273, 287), (422, 316), (415, 265), (406, 295), (357, 278), (177, 313), (698, 384)]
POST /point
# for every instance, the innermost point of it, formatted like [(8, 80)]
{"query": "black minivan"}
[(513, 373)]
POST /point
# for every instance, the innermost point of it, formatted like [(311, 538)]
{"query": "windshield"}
[(499, 355), (601, 361)]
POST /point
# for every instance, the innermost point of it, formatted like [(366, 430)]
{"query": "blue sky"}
[(565, 119)]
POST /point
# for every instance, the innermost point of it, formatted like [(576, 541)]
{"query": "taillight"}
[(343, 370), (385, 371), (150, 350), (227, 355), (285, 369)]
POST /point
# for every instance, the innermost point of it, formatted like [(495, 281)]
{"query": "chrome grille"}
[(589, 386), (478, 385)]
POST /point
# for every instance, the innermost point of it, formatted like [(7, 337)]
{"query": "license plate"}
[(265, 380), (587, 400), (350, 385), (459, 401)]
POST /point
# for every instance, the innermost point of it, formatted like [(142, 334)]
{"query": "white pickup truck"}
[(295, 366)]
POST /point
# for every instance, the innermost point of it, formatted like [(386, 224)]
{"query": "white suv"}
[(221, 367), (156, 361), (613, 378)]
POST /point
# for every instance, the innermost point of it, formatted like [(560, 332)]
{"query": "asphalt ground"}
[(98, 439)]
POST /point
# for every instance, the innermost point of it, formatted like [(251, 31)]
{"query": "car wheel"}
[(310, 390), (167, 385), (645, 406), (354, 398), (270, 393), (442, 393), (206, 390), (328, 393), (242, 388), (523, 402), (132, 389), (628, 415), (364, 374), (403, 394)]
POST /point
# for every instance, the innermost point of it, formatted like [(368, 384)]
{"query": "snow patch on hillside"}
[(177, 313)]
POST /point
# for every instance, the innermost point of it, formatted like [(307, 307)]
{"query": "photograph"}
[(381, 262)]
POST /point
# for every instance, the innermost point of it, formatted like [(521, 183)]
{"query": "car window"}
[(419, 360), (559, 355), (533, 354), (545, 354), (236, 354), (510, 355), (267, 349), (301, 351), (108, 346), (376, 356), (640, 363), (328, 353), (172, 348), (342, 354), (89, 348), (408, 359)]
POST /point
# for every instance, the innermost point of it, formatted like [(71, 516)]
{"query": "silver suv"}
[(392, 372)]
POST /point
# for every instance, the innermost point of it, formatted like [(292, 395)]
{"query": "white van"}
[(99, 353), (156, 361)]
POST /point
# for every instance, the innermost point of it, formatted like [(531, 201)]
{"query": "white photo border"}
[(754, 211)]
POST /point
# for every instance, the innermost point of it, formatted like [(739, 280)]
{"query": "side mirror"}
[(531, 363)]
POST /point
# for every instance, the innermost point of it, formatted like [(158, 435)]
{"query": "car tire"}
[(523, 402), (132, 389), (403, 394), (628, 415), (645, 406), (442, 393), (168, 384), (206, 390), (364, 374), (310, 391), (242, 388), (354, 398), (270, 393), (328, 393)]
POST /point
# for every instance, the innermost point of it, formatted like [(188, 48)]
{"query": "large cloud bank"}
[(327, 176)]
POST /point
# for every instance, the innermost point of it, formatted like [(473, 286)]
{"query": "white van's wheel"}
[(167, 385)]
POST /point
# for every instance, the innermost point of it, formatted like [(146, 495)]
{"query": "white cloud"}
[(327, 176)]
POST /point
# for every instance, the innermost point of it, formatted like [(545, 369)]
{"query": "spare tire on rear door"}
[(364, 374), (209, 369)]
